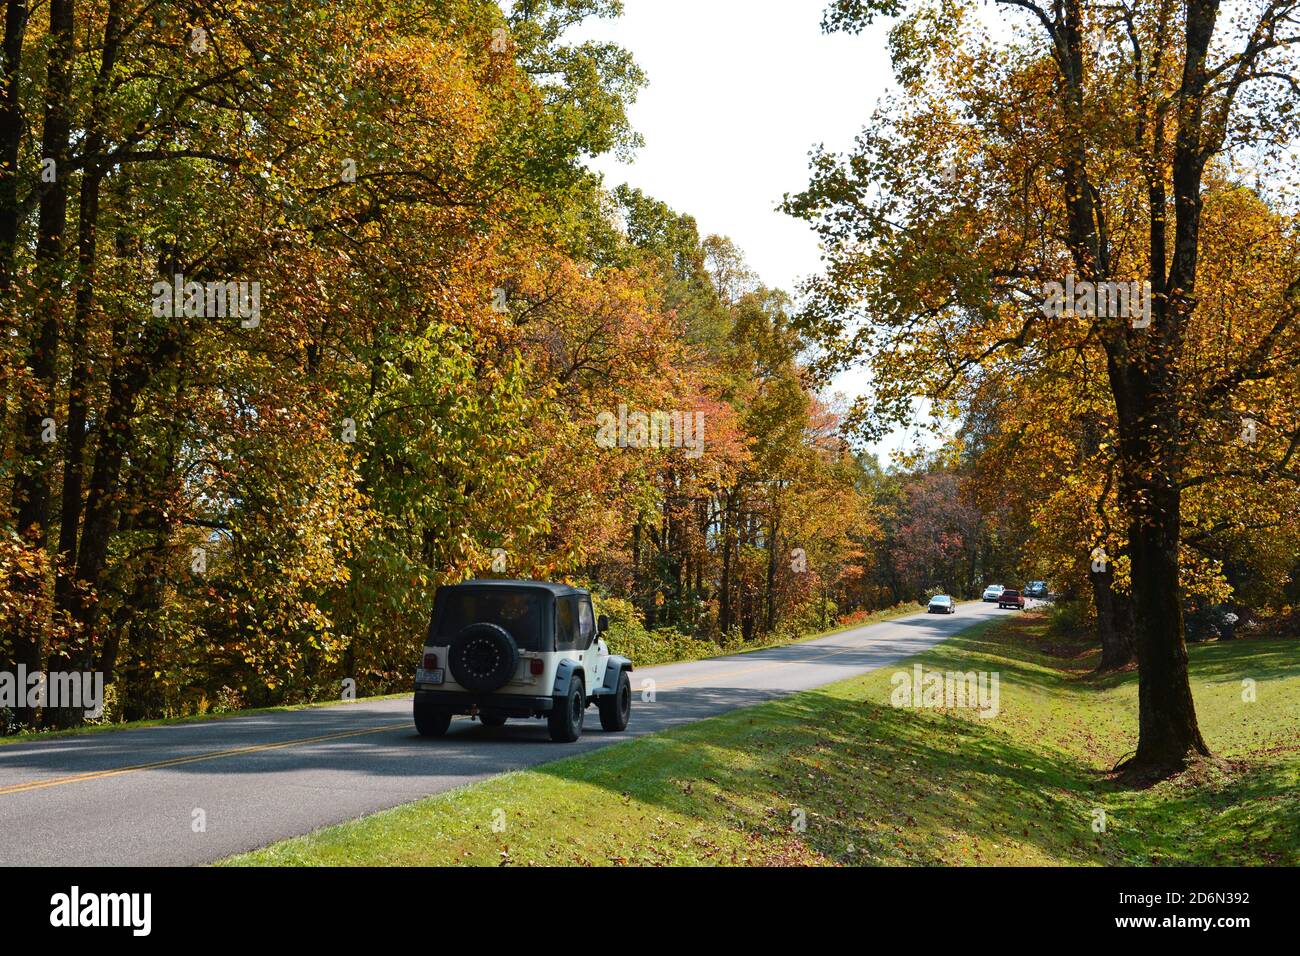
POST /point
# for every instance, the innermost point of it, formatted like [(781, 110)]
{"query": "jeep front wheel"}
[(616, 708), (565, 719), (429, 721)]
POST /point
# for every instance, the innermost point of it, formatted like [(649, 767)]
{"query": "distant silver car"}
[(942, 604), (993, 592)]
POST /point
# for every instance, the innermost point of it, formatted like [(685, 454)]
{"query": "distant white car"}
[(942, 604), (993, 592)]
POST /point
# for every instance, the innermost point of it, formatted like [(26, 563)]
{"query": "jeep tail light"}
[(430, 662), (535, 666)]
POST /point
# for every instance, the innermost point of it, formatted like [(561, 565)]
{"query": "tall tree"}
[(1030, 149)]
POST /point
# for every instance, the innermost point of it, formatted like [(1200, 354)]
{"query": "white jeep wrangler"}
[(500, 649)]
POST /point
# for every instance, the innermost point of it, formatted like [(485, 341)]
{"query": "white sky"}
[(739, 91)]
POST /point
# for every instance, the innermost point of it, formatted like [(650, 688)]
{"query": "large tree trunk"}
[(31, 489), (773, 549), (74, 596), (141, 696), (11, 136), (130, 375), (1143, 372), (1151, 435), (1149, 421), (1124, 626), (635, 582), (1167, 729), (1116, 640), (83, 307), (724, 597)]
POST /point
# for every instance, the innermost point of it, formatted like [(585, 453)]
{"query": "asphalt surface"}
[(133, 797)]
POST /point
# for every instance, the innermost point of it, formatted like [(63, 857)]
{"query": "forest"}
[(309, 308)]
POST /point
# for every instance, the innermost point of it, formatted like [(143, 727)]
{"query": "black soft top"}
[(559, 590), (535, 631)]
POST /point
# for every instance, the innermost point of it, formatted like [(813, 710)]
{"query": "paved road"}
[(131, 797)]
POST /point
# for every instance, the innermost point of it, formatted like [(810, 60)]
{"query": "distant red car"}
[(1012, 599)]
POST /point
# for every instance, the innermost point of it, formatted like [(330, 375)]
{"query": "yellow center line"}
[(259, 748), (194, 758)]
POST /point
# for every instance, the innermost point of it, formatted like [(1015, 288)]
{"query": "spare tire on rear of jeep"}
[(483, 657)]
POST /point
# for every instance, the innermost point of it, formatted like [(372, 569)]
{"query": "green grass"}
[(883, 785)]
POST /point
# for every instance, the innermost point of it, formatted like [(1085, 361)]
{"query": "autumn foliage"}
[(255, 506)]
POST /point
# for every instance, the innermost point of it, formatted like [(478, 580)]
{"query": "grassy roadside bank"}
[(839, 776), (690, 650)]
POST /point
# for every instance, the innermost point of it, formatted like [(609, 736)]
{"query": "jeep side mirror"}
[(602, 624)]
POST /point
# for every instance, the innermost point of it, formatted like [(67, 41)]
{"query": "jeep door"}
[(566, 631), (592, 660)]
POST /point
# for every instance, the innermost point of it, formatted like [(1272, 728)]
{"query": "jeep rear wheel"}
[(616, 708), (565, 718), (429, 721)]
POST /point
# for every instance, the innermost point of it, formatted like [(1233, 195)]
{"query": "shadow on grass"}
[(880, 784), (899, 786), (1234, 660)]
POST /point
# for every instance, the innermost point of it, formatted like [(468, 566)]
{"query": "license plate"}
[(423, 676)]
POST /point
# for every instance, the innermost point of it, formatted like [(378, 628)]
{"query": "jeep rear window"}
[(519, 612)]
